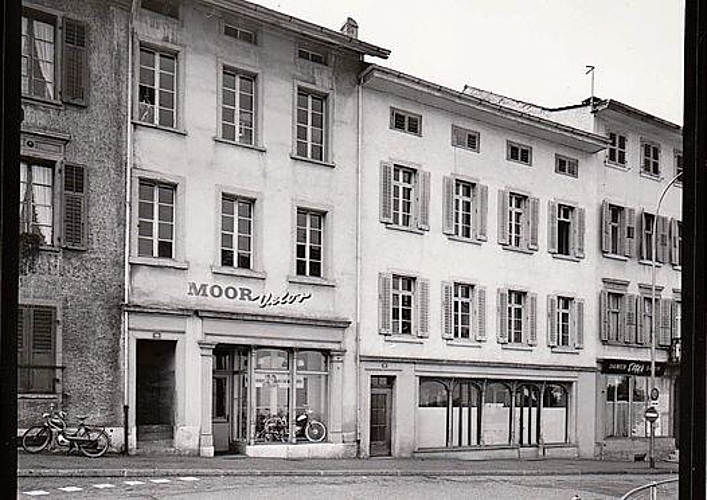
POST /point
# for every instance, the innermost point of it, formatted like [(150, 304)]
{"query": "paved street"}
[(588, 487)]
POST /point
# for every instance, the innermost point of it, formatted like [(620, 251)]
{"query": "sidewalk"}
[(62, 465)]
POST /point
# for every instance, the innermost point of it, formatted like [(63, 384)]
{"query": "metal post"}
[(652, 447)]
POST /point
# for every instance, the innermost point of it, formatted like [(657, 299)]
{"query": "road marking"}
[(71, 489), (160, 481), (103, 486), (188, 478), (134, 483), (35, 493)]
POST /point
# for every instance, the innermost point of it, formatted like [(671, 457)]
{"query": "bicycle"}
[(91, 441)]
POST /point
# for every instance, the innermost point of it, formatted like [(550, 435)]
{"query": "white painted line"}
[(35, 493), (71, 489), (188, 478), (103, 486), (134, 483), (160, 481)]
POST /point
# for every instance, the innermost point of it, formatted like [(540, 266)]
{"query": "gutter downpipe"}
[(654, 245), (359, 117), (126, 247)]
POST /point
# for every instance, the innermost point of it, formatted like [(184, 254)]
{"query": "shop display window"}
[(627, 399)]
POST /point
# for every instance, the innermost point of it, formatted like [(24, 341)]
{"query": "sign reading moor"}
[(243, 293)]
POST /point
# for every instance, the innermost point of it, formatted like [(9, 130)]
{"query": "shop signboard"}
[(281, 380), (245, 294), (628, 367)]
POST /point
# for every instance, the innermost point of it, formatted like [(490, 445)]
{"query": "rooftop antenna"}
[(590, 69)]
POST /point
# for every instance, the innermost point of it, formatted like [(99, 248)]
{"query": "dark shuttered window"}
[(75, 61), (75, 206), (36, 349)]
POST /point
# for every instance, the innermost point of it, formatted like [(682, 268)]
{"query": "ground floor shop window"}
[(472, 412), (627, 398)]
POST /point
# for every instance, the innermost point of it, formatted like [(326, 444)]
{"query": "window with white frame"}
[(565, 216), (567, 166), (157, 89), (618, 230), (403, 295), (614, 315), (650, 154), (156, 219), (310, 242), (516, 316), (463, 305), (616, 153), (311, 125), (405, 121), (463, 311), (239, 33), (39, 54), (519, 153), (236, 232), (565, 322), (463, 208), (403, 305), (465, 138), (516, 219), (238, 111), (404, 181), (37, 200), (647, 318)]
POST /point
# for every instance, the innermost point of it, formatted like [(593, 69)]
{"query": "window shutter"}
[(579, 228), (386, 193), (629, 232), (578, 324), (662, 249), (503, 217), (502, 306), (447, 310), (480, 212), (423, 307), (674, 257), (674, 326), (665, 322), (448, 205), (623, 320), (632, 328), (74, 207), (552, 227), (532, 318), (605, 227), (423, 200), (22, 348), (75, 58), (604, 312), (551, 320), (480, 313), (41, 348), (534, 214), (384, 303)]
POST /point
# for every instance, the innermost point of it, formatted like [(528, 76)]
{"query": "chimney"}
[(350, 28)]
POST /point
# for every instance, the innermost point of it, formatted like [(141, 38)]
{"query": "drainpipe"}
[(126, 235), (359, 119)]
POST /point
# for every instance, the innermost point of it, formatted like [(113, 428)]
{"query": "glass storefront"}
[(627, 399), (470, 412)]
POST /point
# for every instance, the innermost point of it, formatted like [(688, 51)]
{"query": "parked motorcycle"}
[(307, 427)]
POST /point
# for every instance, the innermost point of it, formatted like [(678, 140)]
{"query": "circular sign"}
[(655, 393), (651, 414)]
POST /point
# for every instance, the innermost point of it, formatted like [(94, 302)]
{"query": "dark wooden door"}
[(380, 420)]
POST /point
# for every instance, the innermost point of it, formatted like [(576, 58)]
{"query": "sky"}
[(533, 50)]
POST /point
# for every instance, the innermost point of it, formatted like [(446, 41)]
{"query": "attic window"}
[(308, 55), (169, 8), (244, 35)]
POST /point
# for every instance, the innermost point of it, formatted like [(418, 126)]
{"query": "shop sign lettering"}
[(282, 380), (243, 293), (623, 367)]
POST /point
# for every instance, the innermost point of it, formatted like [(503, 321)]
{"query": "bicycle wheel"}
[(36, 439), (98, 444), (315, 431)]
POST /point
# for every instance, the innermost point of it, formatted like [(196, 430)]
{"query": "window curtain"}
[(43, 37)]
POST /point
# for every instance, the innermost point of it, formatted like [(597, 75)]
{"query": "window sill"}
[(158, 262), (315, 162), (238, 271), (36, 395), (570, 258), (53, 103), (565, 350), (406, 132), (461, 239), (518, 250), (517, 347), (519, 162), (310, 280), (653, 177), (464, 343), (616, 166), (49, 249), (677, 267), (160, 127), (466, 149), (253, 147), (650, 263), (404, 339), (404, 229), (616, 257), (567, 175)]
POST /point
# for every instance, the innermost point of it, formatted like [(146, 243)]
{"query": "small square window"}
[(312, 56), (519, 153), (242, 34), (567, 166), (650, 154), (465, 139), (405, 121)]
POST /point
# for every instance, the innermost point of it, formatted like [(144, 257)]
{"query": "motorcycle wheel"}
[(98, 444), (36, 439), (315, 431)]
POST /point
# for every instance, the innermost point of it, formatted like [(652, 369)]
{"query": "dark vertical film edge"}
[(693, 372), (10, 117)]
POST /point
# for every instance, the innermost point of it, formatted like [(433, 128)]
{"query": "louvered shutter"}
[(665, 322), (384, 303), (578, 323), (74, 207), (552, 227), (532, 319), (502, 308), (629, 224), (386, 193), (605, 227), (23, 338), (631, 329), (604, 320), (423, 200), (533, 213), (662, 244), (447, 310), (75, 59), (551, 320), (503, 217), (42, 349), (674, 248), (480, 313), (423, 307), (481, 212), (448, 205), (579, 228)]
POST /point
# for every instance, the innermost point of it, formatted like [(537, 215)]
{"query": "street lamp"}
[(654, 246)]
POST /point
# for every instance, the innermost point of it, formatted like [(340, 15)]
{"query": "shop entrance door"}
[(381, 412), (229, 398), (154, 414)]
